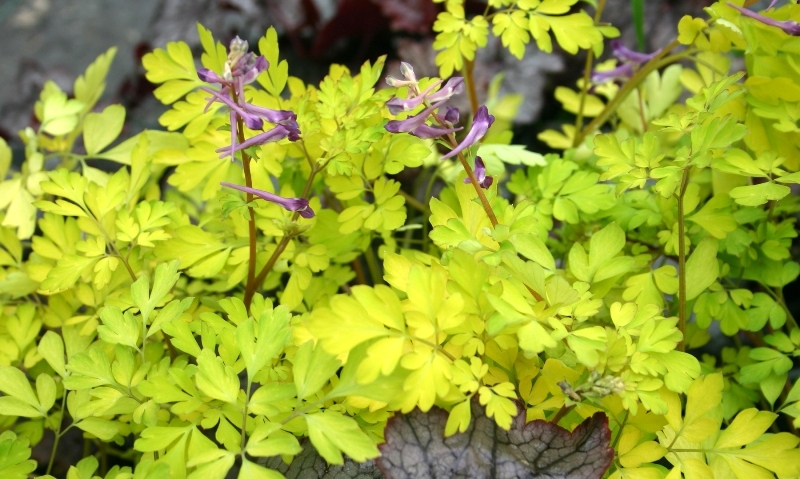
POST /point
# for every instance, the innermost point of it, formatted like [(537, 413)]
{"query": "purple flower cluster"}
[(434, 101), (242, 68)]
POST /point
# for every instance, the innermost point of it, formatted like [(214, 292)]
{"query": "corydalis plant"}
[(242, 68)]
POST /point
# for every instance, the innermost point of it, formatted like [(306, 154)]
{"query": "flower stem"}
[(412, 202), (682, 260), (657, 62), (250, 291), (251, 222), (561, 413), (469, 80), (451, 138), (372, 264), (587, 74), (782, 302), (58, 435), (244, 414)]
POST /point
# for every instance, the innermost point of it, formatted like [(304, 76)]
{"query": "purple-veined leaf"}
[(416, 448)]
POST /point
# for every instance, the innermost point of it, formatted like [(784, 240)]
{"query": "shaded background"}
[(58, 39)]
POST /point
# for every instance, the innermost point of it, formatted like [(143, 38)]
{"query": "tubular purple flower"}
[(397, 105), (411, 123), (272, 116), (252, 121), (275, 134), (451, 115), (480, 125), (291, 204), (480, 174), (623, 71), (628, 58), (426, 131), (627, 55), (454, 86), (790, 27), (407, 71), (209, 76), (240, 61), (260, 65)]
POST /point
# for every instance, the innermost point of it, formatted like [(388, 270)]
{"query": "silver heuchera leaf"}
[(310, 465), (416, 448)]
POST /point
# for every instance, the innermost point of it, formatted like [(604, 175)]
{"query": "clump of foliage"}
[(260, 272)]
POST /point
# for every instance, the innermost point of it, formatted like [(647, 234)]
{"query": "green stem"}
[(561, 413), (244, 414), (587, 74), (251, 222), (426, 220), (435, 347), (619, 433), (412, 202), (471, 174), (58, 434), (250, 291), (144, 338), (655, 63), (682, 260), (372, 264), (110, 242), (642, 117), (469, 80), (782, 302)]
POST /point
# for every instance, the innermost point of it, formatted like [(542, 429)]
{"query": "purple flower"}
[(252, 121), (416, 125), (242, 63), (242, 68), (625, 70), (272, 116), (480, 125), (625, 54), (480, 174), (411, 123), (628, 59), (789, 26), (299, 205), (287, 129), (397, 105), (426, 131), (451, 115), (454, 86), (209, 76), (408, 73)]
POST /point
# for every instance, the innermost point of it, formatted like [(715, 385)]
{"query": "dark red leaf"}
[(416, 448)]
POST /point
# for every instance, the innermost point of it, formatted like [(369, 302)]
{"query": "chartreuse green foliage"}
[(516, 23), (122, 291)]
